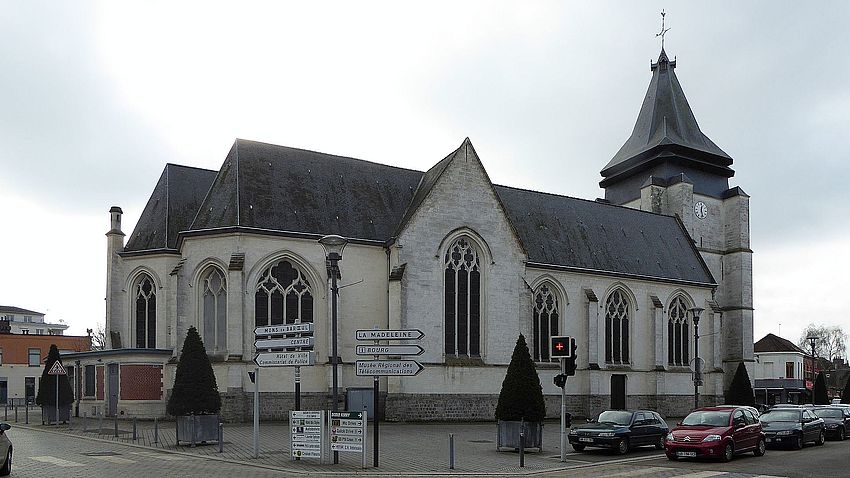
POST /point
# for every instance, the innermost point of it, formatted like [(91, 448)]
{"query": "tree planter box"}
[(508, 435), (48, 413), (197, 429)]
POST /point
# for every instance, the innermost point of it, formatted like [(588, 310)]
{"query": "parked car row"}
[(715, 432)]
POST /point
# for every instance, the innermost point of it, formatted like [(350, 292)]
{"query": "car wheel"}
[(821, 439), (623, 446), (578, 447), (728, 453), (840, 434), (759, 451), (7, 467), (660, 444), (798, 444), (672, 457)]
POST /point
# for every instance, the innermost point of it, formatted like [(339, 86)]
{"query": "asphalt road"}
[(46, 454)]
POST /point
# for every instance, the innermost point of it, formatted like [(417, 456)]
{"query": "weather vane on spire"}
[(663, 30)]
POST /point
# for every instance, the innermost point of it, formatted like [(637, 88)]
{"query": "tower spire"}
[(663, 30)]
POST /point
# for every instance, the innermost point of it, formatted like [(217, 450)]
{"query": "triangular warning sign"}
[(57, 369)]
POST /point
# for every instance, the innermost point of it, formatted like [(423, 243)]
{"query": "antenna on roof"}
[(663, 30)]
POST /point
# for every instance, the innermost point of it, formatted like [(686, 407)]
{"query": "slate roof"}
[(266, 187), (9, 309), (667, 123), (171, 207), (775, 343)]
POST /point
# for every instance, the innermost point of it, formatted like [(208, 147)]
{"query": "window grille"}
[(678, 335), (214, 304), (462, 299), (617, 311), (283, 296), (545, 322), (145, 313)]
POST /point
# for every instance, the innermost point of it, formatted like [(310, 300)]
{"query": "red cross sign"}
[(561, 347)]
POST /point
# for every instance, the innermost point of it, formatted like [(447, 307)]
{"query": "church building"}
[(470, 263)]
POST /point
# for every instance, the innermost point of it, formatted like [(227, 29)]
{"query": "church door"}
[(618, 392)]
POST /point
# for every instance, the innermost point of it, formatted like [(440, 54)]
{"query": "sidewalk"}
[(410, 448)]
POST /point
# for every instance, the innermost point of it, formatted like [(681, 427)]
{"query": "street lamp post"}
[(695, 313), (333, 246), (813, 340)]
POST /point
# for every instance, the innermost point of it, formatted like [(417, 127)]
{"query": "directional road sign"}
[(284, 329), (389, 350), (284, 343), (370, 368), (376, 334), (285, 359), (57, 369)]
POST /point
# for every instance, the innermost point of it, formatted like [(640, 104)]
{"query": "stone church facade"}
[(470, 263)]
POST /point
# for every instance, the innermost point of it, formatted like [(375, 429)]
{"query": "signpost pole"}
[(564, 414), (297, 388), (56, 377), (256, 412)]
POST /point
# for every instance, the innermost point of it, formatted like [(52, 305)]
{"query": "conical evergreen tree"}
[(521, 397), (47, 383), (195, 390), (845, 395), (740, 391), (821, 397)]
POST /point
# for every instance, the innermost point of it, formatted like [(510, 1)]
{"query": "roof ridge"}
[(167, 164)]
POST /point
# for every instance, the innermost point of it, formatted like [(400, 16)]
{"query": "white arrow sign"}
[(283, 343), (376, 334), (370, 368), (285, 359), (284, 329), (389, 350)]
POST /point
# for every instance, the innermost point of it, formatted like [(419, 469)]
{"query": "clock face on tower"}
[(700, 210)]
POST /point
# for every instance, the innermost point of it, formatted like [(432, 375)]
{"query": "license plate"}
[(588, 440), (767, 440), (686, 453)]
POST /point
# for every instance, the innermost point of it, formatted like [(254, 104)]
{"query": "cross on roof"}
[(663, 30)]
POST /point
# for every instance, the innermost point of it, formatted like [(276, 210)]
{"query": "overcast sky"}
[(95, 98)]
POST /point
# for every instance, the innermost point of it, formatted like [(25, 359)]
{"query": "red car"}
[(716, 432)]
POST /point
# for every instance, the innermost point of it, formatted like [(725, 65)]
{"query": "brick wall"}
[(99, 385), (141, 382)]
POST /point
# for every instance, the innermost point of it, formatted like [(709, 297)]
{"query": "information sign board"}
[(389, 350), (285, 329), (368, 368), (348, 432), (285, 359), (307, 434), (377, 334), (305, 342)]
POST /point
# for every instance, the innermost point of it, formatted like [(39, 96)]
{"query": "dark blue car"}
[(621, 430)]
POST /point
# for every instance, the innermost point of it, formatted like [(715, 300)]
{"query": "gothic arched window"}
[(283, 296), (145, 312), (463, 299), (545, 322), (677, 333), (617, 312), (214, 310)]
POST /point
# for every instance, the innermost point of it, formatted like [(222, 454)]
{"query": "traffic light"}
[(560, 380), (571, 360), (561, 347)]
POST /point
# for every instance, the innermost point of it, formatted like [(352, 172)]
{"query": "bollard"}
[(27, 415), (220, 436), (6, 412), (134, 428), (100, 423), (192, 432), (451, 451), (16, 414), (155, 430), (522, 446), (85, 422), (116, 425)]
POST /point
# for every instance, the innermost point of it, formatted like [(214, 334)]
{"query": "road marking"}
[(769, 476), (115, 459), (56, 461), (638, 472), (701, 474), (159, 456)]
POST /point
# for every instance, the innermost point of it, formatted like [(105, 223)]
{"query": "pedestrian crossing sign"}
[(57, 369)]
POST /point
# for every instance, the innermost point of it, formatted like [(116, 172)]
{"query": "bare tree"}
[(98, 337), (831, 342)]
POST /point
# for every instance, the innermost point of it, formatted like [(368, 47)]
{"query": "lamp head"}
[(333, 245)]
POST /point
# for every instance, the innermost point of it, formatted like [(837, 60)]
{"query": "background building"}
[(779, 373), (23, 321)]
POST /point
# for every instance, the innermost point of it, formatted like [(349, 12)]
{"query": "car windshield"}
[(830, 413), (709, 418), (615, 417), (781, 416)]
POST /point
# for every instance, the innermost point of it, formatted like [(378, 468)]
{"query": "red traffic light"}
[(562, 347)]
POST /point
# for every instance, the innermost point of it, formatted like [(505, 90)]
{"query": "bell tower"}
[(669, 166)]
